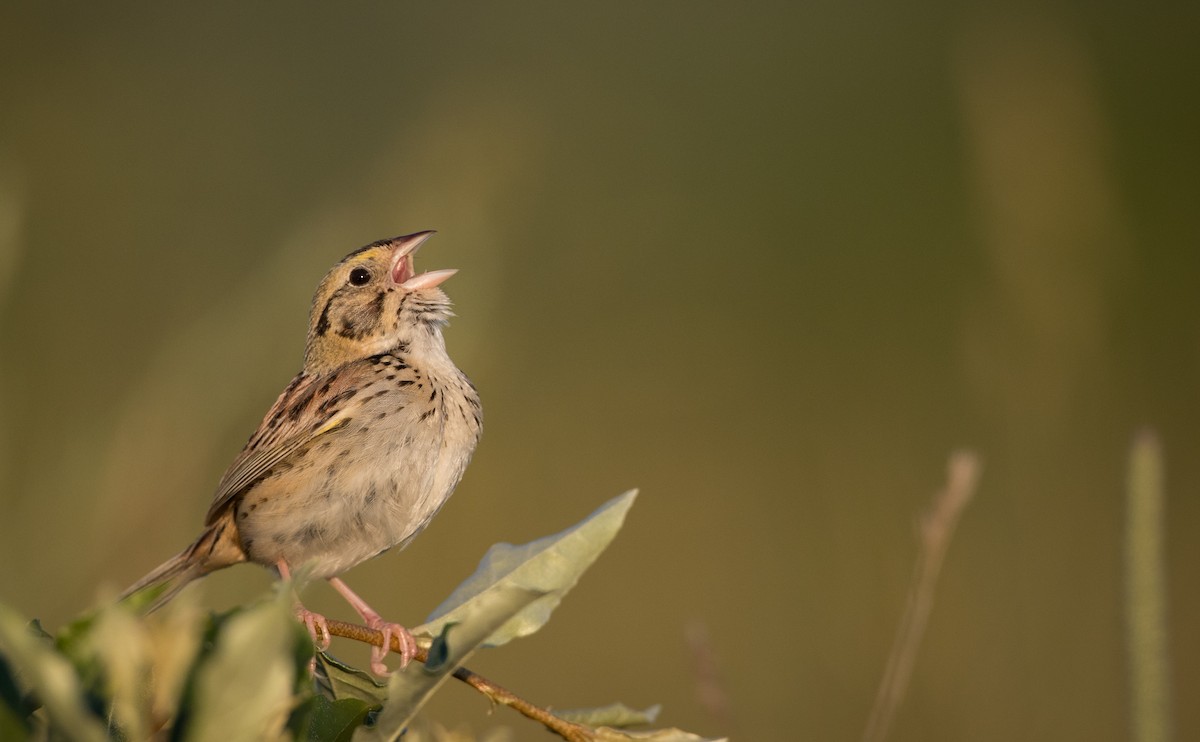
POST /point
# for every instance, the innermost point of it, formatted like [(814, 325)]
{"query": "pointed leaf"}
[(551, 566)]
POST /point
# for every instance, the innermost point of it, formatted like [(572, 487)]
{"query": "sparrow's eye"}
[(360, 276)]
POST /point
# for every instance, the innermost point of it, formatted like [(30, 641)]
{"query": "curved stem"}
[(497, 694)]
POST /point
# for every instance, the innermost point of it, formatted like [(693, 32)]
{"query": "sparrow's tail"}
[(218, 547)]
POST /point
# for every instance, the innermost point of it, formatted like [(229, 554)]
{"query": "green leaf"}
[(50, 676), (550, 566), (335, 721), (614, 715), (244, 689), (410, 688), (73, 634), (119, 645), (337, 680)]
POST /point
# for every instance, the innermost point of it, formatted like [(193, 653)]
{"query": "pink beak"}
[(403, 273)]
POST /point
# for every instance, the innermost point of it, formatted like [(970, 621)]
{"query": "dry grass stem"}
[(936, 529), (1146, 593)]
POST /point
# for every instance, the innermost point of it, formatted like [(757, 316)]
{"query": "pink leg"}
[(318, 627), (408, 645)]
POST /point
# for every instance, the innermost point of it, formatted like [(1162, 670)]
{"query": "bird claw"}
[(408, 645), (317, 625)]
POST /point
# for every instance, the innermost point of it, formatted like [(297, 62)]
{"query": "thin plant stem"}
[(936, 528), (495, 693)]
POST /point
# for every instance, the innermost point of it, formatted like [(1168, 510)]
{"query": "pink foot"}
[(317, 625), (408, 645)]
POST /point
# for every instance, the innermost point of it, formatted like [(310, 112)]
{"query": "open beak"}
[(403, 273)]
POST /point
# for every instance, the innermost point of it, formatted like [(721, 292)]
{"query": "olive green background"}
[(769, 262)]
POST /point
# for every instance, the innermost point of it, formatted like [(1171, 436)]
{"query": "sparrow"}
[(359, 451)]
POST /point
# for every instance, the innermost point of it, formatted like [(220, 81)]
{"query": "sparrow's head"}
[(373, 302)]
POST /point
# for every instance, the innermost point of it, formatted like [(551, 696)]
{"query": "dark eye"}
[(360, 276)]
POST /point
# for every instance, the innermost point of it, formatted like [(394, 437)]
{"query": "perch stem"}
[(495, 693)]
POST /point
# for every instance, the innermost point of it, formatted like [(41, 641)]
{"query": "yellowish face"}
[(373, 302)]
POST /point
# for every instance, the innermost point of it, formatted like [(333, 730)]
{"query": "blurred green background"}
[(769, 262)]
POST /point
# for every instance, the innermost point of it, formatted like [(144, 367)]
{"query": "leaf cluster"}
[(252, 674)]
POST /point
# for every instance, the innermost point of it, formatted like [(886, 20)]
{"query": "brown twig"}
[(937, 526), (495, 693)]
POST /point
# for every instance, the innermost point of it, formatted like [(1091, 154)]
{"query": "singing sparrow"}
[(361, 449)]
